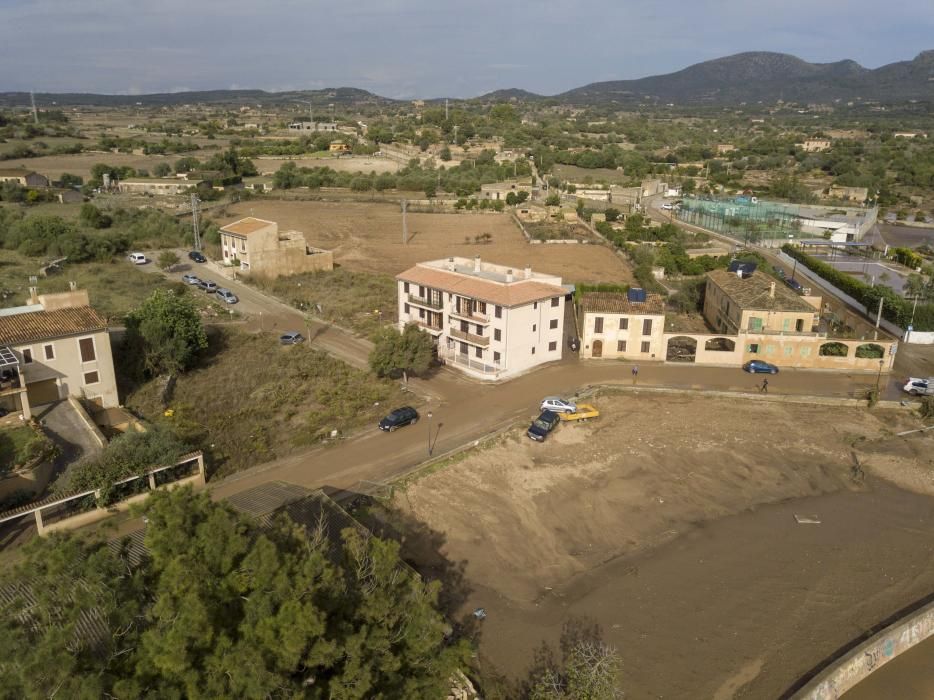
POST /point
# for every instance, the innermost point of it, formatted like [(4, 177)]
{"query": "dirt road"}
[(266, 314)]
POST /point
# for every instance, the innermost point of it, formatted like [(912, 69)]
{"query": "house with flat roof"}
[(256, 246), (54, 347), (629, 326), (489, 321)]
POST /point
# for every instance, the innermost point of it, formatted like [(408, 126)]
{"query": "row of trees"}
[(220, 607)]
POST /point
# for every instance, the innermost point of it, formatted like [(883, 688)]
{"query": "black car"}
[(543, 425), (197, 256), (398, 418)]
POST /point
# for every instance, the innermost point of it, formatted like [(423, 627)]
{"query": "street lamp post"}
[(429, 431), (879, 376)]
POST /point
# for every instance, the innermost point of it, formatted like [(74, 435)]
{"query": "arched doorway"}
[(681, 348), (597, 348)]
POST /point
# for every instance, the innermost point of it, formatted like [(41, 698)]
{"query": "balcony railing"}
[(472, 317), (434, 329), (481, 340), (426, 302), (469, 362)]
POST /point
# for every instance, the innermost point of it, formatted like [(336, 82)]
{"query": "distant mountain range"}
[(745, 77)]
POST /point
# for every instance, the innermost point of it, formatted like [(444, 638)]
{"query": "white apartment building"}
[(489, 321)]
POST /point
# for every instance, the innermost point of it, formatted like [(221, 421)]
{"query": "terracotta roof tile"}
[(614, 303), (42, 325), (244, 227), (508, 294), (754, 292)]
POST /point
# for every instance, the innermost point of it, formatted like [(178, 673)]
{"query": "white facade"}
[(488, 321)]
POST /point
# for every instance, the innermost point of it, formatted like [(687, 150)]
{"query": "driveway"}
[(68, 431)]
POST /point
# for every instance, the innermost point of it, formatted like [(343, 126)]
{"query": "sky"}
[(425, 48)]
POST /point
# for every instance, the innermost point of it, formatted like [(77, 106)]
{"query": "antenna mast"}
[(195, 227), (35, 113)]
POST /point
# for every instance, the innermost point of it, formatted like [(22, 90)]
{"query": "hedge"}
[(894, 308)]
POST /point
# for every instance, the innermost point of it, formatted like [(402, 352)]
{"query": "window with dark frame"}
[(405, 286), (49, 351), (552, 346), (479, 352), (533, 349), (497, 334), (553, 324), (499, 312), (91, 378), (646, 346), (647, 327), (624, 324), (598, 324), (27, 356), (86, 345), (495, 356), (555, 301), (620, 346)]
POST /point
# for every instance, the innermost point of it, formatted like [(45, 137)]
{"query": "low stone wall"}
[(877, 651)]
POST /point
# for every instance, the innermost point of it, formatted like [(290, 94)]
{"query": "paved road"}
[(264, 313)]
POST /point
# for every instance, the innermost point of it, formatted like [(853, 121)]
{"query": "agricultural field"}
[(355, 164), (368, 238), (81, 163), (668, 524)]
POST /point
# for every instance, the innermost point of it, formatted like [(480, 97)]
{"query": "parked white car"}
[(137, 258), (558, 405), (919, 387)]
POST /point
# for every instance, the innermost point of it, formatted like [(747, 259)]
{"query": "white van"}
[(137, 258)]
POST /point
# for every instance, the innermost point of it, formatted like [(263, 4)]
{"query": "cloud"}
[(414, 48)]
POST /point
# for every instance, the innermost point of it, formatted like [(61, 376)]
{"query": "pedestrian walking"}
[(764, 389), (635, 373)]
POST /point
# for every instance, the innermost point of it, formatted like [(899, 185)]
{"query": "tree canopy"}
[(412, 351), (165, 333), (220, 607)]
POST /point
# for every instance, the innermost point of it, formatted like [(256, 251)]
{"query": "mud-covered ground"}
[(670, 523)]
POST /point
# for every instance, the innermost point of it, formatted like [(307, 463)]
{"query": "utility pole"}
[(875, 333), (35, 113), (195, 224), (446, 109), (405, 229)]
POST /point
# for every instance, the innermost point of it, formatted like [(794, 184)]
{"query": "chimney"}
[(33, 295), (477, 266), (528, 272), (509, 276), (772, 291)]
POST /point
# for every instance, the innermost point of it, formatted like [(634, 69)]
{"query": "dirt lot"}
[(356, 164), (368, 237), (670, 523), (81, 163)]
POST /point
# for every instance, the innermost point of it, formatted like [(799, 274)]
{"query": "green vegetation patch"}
[(21, 446), (362, 301), (252, 400)]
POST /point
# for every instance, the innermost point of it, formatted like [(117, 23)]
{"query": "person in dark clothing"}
[(764, 389)]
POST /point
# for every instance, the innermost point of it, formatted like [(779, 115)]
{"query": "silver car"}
[(556, 404), (227, 296)]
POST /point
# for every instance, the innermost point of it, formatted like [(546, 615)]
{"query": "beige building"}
[(849, 194), (629, 326), (499, 190), (815, 145), (256, 246), (54, 347), (21, 176), (735, 302), (157, 186), (489, 321), (724, 148)]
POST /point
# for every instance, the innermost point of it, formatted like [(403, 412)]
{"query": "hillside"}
[(744, 77)]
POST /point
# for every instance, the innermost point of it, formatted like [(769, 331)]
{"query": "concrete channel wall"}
[(876, 651)]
